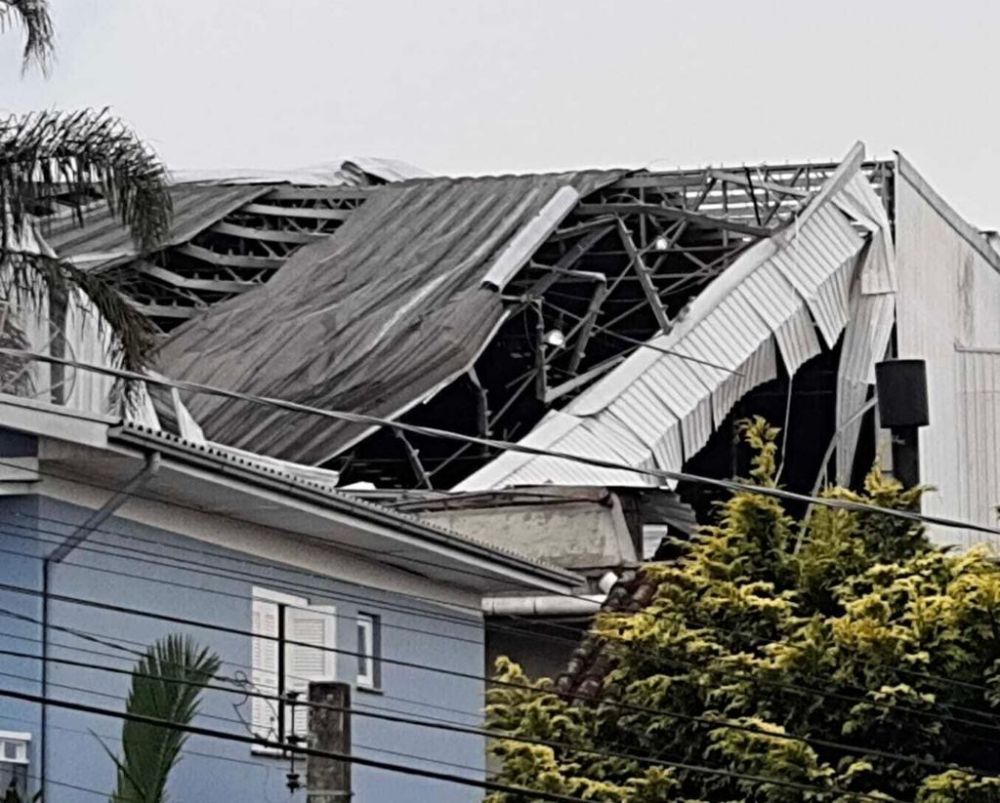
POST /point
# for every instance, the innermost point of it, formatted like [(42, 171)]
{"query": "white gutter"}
[(543, 605)]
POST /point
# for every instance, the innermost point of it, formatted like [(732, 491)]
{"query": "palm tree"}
[(34, 17), (166, 685), (50, 155)]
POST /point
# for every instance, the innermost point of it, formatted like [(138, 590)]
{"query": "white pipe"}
[(543, 605)]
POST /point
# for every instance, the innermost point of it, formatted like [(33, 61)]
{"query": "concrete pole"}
[(328, 780)]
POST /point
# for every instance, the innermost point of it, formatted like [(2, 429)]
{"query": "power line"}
[(501, 445), (709, 721), (797, 689), (224, 573), (790, 687), (400, 718), (400, 768), (134, 654), (305, 536), (363, 761), (188, 566), (231, 720)]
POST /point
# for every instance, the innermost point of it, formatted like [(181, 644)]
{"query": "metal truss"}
[(238, 253), (622, 267)]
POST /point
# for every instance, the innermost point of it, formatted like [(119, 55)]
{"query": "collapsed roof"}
[(489, 305)]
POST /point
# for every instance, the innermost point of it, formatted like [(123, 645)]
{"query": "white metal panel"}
[(979, 434), (670, 404), (531, 236), (797, 340), (949, 292)]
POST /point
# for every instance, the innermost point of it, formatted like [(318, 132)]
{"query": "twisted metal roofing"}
[(659, 407), (372, 320), (103, 241)]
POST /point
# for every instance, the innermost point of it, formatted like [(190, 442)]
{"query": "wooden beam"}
[(645, 281), (267, 235), (188, 283), (673, 213), (311, 213), (230, 260)]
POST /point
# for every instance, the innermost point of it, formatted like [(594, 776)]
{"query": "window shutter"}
[(313, 625), (264, 664)]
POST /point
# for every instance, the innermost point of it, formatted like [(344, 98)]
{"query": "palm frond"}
[(50, 153), (15, 372), (166, 685), (34, 17), (31, 277)]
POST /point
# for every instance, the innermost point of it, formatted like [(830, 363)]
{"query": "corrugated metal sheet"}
[(949, 292), (371, 320), (103, 241), (872, 311), (671, 405), (357, 171), (978, 372)]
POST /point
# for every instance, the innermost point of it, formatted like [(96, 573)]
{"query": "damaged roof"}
[(373, 320), (103, 241), (659, 407)]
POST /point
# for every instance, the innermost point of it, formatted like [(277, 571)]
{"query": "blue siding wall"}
[(190, 579)]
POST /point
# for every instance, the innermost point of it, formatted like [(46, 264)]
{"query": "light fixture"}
[(555, 338)]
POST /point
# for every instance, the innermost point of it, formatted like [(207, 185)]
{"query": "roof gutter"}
[(543, 605), (358, 509)]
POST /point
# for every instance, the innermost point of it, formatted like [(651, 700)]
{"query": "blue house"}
[(115, 535)]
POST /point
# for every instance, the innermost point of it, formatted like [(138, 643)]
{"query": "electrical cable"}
[(501, 445), (399, 717), (633, 708), (789, 687), (402, 768), (798, 689), (188, 566)]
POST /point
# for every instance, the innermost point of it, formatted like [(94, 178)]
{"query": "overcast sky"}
[(468, 86)]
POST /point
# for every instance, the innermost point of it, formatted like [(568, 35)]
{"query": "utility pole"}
[(329, 780)]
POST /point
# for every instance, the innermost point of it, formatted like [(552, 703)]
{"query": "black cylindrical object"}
[(902, 393)]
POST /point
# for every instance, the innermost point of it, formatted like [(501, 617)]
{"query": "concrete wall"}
[(208, 583), (949, 296)]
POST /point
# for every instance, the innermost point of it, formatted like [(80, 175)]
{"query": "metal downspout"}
[(73, 540)]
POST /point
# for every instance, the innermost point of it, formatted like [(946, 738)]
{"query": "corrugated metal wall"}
[(979, 434), (949, 295)]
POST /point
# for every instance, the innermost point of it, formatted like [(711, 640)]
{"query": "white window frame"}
[(369, 648), (277, 598), (21, 742)]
